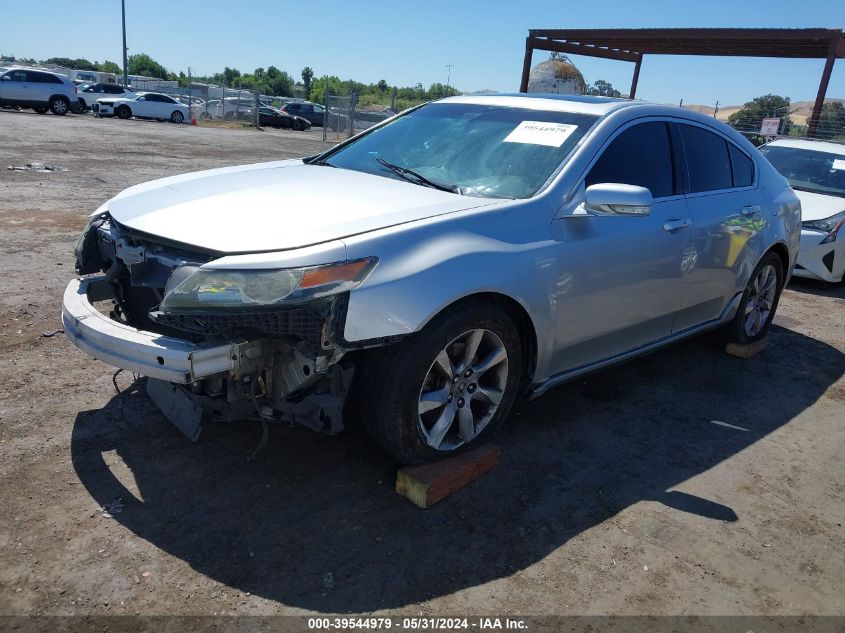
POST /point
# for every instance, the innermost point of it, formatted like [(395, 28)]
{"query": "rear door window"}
[(642, 156), (708, 161)]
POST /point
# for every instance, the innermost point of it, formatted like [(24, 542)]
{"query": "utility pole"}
[(449, 68), (716, 110), (125, 65)]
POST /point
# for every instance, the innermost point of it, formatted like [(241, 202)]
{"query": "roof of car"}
[(560, 103), (816, 146)]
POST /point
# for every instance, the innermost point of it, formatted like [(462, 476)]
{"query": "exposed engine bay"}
[(287, 362)]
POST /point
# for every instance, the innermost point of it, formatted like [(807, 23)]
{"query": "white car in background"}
[(144, 105), (89, 93), (816, 171)]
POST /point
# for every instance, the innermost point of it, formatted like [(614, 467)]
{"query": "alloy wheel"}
[(761, 298), (462, 389)]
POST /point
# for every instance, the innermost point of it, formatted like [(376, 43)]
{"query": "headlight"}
[(195, 288), (829, 225)]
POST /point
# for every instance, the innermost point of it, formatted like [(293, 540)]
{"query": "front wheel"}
[(177, 117), (59, 105), (440, 390), (123, 112), (759, 302)]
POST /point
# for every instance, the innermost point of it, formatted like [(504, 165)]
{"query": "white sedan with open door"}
[(144, 105)]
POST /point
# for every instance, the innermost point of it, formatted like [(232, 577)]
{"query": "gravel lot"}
[(686, 482)]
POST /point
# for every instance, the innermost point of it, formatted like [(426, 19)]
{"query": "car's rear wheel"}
[(123, 112), (205, 115), (59, 105), (41, 110), (442, 389), (759, 302), (177, 117)]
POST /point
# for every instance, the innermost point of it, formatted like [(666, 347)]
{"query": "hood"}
[(817, 206), (276, 206)]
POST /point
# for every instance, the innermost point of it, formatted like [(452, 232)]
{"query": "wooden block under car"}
[(428, 484), (746, 351)]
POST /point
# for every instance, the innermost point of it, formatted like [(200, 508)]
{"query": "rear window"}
[(707, 159), (741, 166)]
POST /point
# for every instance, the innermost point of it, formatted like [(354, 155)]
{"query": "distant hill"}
[(799, 113)]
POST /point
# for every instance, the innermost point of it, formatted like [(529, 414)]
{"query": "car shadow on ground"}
[(313, 522), (818, 288)]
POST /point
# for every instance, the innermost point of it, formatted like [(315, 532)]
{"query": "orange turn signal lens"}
[(334, 273)]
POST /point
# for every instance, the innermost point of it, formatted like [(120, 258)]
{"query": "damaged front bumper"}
[(148, 353), (226, 380)]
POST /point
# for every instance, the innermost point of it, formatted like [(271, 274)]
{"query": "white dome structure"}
[(558, 75)]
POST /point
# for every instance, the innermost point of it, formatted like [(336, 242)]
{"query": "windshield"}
[(475, 150), (809, 170)]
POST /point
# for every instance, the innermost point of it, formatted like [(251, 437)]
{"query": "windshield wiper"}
[(322, 163), (417, 178)]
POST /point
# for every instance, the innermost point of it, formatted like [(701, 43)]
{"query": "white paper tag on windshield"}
[(838, 163), (541, 133)]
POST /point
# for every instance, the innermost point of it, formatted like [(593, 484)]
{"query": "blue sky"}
[(410, 42)]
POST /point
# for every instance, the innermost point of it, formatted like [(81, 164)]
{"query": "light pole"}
[(125, 66), (449, 68)]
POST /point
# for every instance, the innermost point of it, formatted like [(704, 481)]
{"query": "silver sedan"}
[(426, 272)]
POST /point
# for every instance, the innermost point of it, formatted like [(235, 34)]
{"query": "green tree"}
[(749, 118), (831, 123), (109, 67), (67, 62), (143, 64), (307, 76), (382, 85), (603, 88)]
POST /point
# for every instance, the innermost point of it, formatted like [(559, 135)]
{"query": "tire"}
[(759, 302), (59, 105), (41, 110), (123, 112), (298, 126), (228, 116), (205, 116), (177, 117), (395, 381), (78, 107)]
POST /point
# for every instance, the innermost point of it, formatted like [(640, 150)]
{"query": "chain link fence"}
[(795, 121), (215, 103), (344, 117)]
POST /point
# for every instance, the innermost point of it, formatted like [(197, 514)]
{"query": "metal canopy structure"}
[(631, 45)]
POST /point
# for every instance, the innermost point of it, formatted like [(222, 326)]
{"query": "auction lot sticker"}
[(541, 133)]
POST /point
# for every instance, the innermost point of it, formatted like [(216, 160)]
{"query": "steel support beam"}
[(581, 49), (637, 64), (526, 65), (828, 69)]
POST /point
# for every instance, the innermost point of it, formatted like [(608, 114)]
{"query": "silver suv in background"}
[(37, 89)]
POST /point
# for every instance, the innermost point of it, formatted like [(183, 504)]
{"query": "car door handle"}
[(674, 225), (750, 209)]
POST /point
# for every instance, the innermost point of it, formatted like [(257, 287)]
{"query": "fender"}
[(424, 267)]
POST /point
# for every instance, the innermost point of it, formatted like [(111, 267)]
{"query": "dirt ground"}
[(685, 482)]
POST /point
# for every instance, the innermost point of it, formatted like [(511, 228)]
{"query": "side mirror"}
[(618, 199)]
